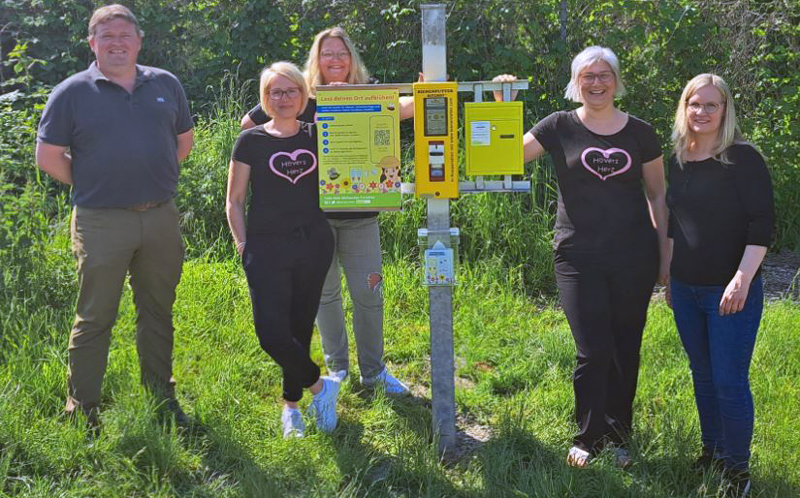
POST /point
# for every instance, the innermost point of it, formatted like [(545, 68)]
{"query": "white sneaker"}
[(578, 458), (323, 406), (389, 382), (293, 425), (338, 375)]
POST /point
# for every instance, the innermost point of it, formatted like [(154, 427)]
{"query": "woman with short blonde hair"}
[(285, 242), (333, 59), (585, 59), (288, 71)]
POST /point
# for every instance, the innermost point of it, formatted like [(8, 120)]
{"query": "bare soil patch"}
[(780, 272)]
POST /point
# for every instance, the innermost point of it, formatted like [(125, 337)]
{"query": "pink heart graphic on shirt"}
[(291, 166), (606, 163)]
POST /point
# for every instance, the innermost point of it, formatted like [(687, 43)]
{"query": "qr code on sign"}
[(381, 138)]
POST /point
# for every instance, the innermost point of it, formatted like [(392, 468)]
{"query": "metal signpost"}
[(434, 64), (436, 163), (434, 67)]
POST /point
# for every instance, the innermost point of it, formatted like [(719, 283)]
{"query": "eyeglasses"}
[(709, 107), (604, 77), (344, 54), (278, 94)]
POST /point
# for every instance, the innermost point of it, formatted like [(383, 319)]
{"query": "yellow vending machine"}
[(436, 139), (493, 135)]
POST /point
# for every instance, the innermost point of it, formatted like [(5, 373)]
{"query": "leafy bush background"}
[(217, 47)]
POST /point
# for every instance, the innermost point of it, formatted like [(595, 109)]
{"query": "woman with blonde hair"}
[(334, 59), (609, 249), (721, 224), (286, 244)]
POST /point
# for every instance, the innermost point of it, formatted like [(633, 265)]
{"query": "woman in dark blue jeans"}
[(721, 223)]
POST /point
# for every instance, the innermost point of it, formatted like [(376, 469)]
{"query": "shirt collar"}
[(143, 73), (95, 72)]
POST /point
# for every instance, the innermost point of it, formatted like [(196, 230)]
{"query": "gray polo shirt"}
[(123, 146)]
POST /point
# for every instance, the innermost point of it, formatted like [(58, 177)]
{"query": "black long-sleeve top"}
[(715, 211)]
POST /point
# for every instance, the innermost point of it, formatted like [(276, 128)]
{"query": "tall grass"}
[(514, 357), (514, 361), (201, 190)]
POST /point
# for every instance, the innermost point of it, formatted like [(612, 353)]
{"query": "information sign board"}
[(358, 131)]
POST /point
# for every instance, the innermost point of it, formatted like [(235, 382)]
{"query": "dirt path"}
[(781, 278)]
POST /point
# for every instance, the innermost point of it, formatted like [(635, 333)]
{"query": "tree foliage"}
[(217, 48)]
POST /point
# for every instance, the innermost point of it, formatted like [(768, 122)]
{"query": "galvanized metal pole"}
[(434, 67)]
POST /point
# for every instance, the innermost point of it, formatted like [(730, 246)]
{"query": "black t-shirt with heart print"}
[(601, 202), (283, 179)]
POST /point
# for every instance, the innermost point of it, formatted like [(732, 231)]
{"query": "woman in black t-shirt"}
[(333, 59), (721, 222), (286, 244), (610, 243)]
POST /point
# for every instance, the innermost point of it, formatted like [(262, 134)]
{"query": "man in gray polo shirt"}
[(116, 132)]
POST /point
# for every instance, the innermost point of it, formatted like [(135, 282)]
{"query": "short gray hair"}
[(586, 58)]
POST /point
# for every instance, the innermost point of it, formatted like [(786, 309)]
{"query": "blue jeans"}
[(720, 349)]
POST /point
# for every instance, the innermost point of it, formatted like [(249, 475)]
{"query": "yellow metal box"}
[(436, 139), (493, 136)]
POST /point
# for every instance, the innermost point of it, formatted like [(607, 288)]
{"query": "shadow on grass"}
[(774, 487), (515, 463), (416, 411), (676, 477), (413, 409), (227, 466), (371, 471)]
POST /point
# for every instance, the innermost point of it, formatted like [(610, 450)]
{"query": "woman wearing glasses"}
[(610, 244), (721, 223), (286, 244), (333, 59)]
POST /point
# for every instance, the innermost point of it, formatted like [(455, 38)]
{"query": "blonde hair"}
[(109, 13), (728, 133), (358, 73), (288, 71), (586, 58)]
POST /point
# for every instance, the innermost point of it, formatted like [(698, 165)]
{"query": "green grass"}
[(514, 360)]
